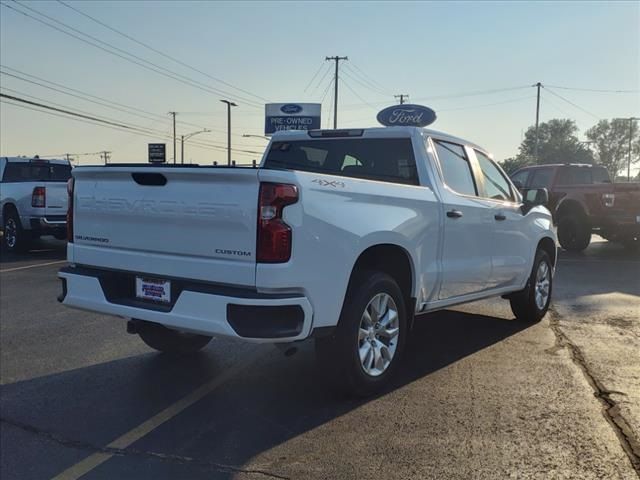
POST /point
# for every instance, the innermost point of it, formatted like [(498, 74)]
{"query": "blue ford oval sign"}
[(291, 108), (406, 115)]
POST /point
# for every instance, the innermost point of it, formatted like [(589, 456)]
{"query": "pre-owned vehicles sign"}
[(291, 116)]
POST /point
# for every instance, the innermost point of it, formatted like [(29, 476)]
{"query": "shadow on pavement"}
[(41, 250), (604, 267), (270, 402)]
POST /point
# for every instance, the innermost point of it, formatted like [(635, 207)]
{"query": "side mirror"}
[(535, 196)]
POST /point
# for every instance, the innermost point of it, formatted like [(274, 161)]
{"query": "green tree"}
[(611, 144), (557, 143)]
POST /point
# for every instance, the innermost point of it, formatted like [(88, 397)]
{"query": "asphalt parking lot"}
[(480, 395)]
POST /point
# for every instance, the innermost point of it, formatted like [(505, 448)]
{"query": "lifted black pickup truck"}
[(583, 200)]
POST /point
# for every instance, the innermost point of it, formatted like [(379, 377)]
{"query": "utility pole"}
[(104, 155), (535, 148), (401, 97), (631, 119), (229, 105), (335, 92), (174, 135)]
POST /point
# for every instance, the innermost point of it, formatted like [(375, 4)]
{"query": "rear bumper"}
[(196, 307), (620, 225), (49, 224)]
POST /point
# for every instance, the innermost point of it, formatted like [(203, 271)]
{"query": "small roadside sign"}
[(157, 152)]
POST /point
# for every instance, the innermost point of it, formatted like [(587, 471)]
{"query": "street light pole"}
[(229, 105), (187, 137)]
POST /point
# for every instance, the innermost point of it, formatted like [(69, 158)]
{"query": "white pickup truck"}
[(33, 200), (339, 235)]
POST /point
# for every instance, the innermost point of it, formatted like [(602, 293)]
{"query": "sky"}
[(474, 63)]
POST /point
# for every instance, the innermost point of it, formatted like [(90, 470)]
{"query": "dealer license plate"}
[(153, 289)]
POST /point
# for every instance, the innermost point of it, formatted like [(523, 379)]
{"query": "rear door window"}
[(35, 172), (575, 176), (541, 178), (382, 159), (521, 177), (456, 168), (496, 185)]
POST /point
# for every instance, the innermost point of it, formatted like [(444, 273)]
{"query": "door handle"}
[(500, 217), (454, 214)]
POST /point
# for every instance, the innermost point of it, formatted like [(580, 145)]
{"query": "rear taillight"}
[(39, 197), (70, 184), (274, 236)]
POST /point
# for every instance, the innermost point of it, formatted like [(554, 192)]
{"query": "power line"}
[(314, 76), (154, 67), (321, 79), (571, 103), (356, 93), (94, 120), (468, 107), (597, 90), (447, 96), (371, 79), (326, 90), (364, 82), (160, 52), (401, 96), (360, 82), (102, 101), (513, 100), (82, 96)]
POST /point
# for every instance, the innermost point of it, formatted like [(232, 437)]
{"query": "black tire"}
[(14, 238), (523, 304), (574, 233), (166, 340), (338, 355)]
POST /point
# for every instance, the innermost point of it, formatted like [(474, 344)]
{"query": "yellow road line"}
[(31, 266), (84, 466)]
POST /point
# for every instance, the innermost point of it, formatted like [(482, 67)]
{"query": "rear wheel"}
[(532, 303), (574, 233), (363, 354), (166, 340), (14, 238)]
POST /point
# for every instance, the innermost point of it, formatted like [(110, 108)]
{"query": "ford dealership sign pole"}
[(291, 116)]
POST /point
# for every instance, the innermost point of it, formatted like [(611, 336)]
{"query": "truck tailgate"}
[(194, 223), (57, 198)]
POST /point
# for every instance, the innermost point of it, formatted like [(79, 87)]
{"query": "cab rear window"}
[(382, 159), (35, 172)]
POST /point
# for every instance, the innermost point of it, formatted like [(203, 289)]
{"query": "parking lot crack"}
[(132, 452), (611, 411)]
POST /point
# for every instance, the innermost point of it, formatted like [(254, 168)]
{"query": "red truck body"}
[(583, 200)]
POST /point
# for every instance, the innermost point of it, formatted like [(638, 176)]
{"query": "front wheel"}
[(532, 303), (166, 340), (574, 233), (365, 350)]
